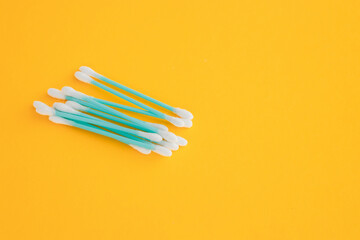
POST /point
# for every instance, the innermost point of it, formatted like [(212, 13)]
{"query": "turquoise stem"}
[(116, 119), (98, 122), (112, 135), (110, 111), (132, 91), (124, 107), (116, 131), (129, 99)]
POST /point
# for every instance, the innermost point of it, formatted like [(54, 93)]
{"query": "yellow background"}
[(274, 152)]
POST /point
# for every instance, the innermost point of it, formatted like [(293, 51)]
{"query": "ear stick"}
[(178, 111), (141, 146), (140, 149), (187, 122), (65, 111), (89, 110), (70, 92), (85, 78), (159, 128)]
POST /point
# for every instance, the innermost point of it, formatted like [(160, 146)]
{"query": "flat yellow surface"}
[(275, 148)]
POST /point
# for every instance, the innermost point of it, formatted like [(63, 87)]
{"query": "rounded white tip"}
[(158, 126), (188, 123), (183, 113), (83, 77), (88, 71), (59, 120), (163, 151), (181, 141), (64, 108), (38, 104), (140, 149), (43, 109), (76, 106), (69, 91), (56, 93), (168, 136), (151, 136), (169, 145), (175, 121)]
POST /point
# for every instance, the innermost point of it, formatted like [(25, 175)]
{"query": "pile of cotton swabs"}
[(94, 115)]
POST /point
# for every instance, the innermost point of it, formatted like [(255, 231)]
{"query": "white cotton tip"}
[(168, 136), (83, 77), (69, 91), (64, 108), (183, 113), (151, 136), (175, 121), (76, 106), (43, 109), (59, 120), (88, 71), (38, 104), (55, 93), (140, 149), (169, 145), (181, 141), (163, 151), (188, 123), (158, 126)]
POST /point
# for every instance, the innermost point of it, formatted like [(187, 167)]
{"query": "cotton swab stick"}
[(178, 111), (179, 140), (58, 94), (72, 114), (84, 108), (169, 145), (44, 109), (160, 129), (70, 92), (85, 78), (187, 122), (143, 148)]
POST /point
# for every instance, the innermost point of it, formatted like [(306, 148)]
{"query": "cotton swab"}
[(178, 111), (85, 78), (83, 108), (171, 145), (55, 93), (187, 122), (143, 147), (58, 94), (70, 92), (89, 110), (72, 114)]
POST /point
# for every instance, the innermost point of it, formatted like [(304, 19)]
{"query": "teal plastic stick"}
[(124, 107), (132, 91), (129, 99), (116, 119), (110, 111), (108, 116), (124, 134), (97, 122), (112, 135)]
